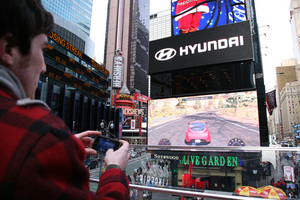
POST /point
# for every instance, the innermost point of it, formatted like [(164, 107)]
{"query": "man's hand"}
[(87, 141), (119, 157)]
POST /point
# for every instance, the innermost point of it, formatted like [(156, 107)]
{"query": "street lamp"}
[(105, 128)]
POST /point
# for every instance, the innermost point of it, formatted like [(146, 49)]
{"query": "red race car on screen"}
[(197, 132)]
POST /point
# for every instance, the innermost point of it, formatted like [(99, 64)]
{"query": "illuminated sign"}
[(229, 161), (133, 112), (75, 66), (118, 72), (58, 39), (65, 44), (124, 96), (229, 43), (54, 73), (98, 66), (167, 157)]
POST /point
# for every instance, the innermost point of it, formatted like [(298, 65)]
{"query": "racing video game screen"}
[(218, 120)]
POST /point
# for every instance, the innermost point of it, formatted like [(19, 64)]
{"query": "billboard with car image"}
[(215, 120)]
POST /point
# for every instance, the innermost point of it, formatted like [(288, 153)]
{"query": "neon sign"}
[(229, 161)]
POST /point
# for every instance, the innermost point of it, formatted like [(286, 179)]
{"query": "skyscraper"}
[(138, 74), (128, 34), (160, 25), (74, 86), (73, 22)]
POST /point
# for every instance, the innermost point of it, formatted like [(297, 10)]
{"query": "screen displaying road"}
[(209, 120)]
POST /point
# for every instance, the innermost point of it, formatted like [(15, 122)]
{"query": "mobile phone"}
[(102, 144)]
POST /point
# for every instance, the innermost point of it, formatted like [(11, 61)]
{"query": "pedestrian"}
[(135, 175), (138, 179), (281, 184), (273, 182), (40, 157), (129, 178)]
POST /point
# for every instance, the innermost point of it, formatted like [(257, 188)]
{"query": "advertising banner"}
[(216, 120), (228, 43), (271, 101), (194, 15), (288, 173), (118, 72)]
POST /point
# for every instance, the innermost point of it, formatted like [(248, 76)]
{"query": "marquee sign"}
[(229, 161)]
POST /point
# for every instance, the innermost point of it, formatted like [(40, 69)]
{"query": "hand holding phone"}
[(119, 157), (102, 144), (85, 138)]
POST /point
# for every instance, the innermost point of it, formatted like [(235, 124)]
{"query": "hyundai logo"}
[(165, 54)]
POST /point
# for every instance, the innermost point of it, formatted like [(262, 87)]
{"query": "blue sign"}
[(296, 128)]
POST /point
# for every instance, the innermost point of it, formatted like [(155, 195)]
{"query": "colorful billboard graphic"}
[(193, 15)]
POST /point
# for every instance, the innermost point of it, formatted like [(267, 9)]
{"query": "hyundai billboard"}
[(204, 33)]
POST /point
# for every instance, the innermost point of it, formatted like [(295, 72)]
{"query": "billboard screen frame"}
[(212, 110)]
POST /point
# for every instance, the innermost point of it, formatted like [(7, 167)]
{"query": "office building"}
[(128, 34), (290, 102), (160, 25), (73, 22), (75, 86), (285, 73)]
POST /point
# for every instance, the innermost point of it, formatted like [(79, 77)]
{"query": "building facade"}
[(138, 73), (290, 102), (74, 86), (73, 22), (160, 25), (285, 73), (128, 34)]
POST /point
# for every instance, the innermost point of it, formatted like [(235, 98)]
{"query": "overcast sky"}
[(273, 20)]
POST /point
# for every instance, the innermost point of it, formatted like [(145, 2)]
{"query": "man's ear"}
[(6, 50)]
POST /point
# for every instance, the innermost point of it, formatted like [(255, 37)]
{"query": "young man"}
[(39, 157)]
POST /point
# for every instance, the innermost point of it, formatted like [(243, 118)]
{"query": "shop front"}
[(210, 170)]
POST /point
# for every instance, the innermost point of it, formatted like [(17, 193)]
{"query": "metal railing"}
[(189, 192), (141, 189)]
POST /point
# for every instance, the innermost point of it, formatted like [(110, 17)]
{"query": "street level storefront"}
[(222, 171), (134, 109)]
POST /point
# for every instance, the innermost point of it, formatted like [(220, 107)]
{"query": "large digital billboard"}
[(217, 120), (205, 32), (193, 15)]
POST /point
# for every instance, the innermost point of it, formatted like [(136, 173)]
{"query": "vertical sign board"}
[(118, 72), (132, 126), (288, 173)]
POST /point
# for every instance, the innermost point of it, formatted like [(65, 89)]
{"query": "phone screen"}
[(102, 144)]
